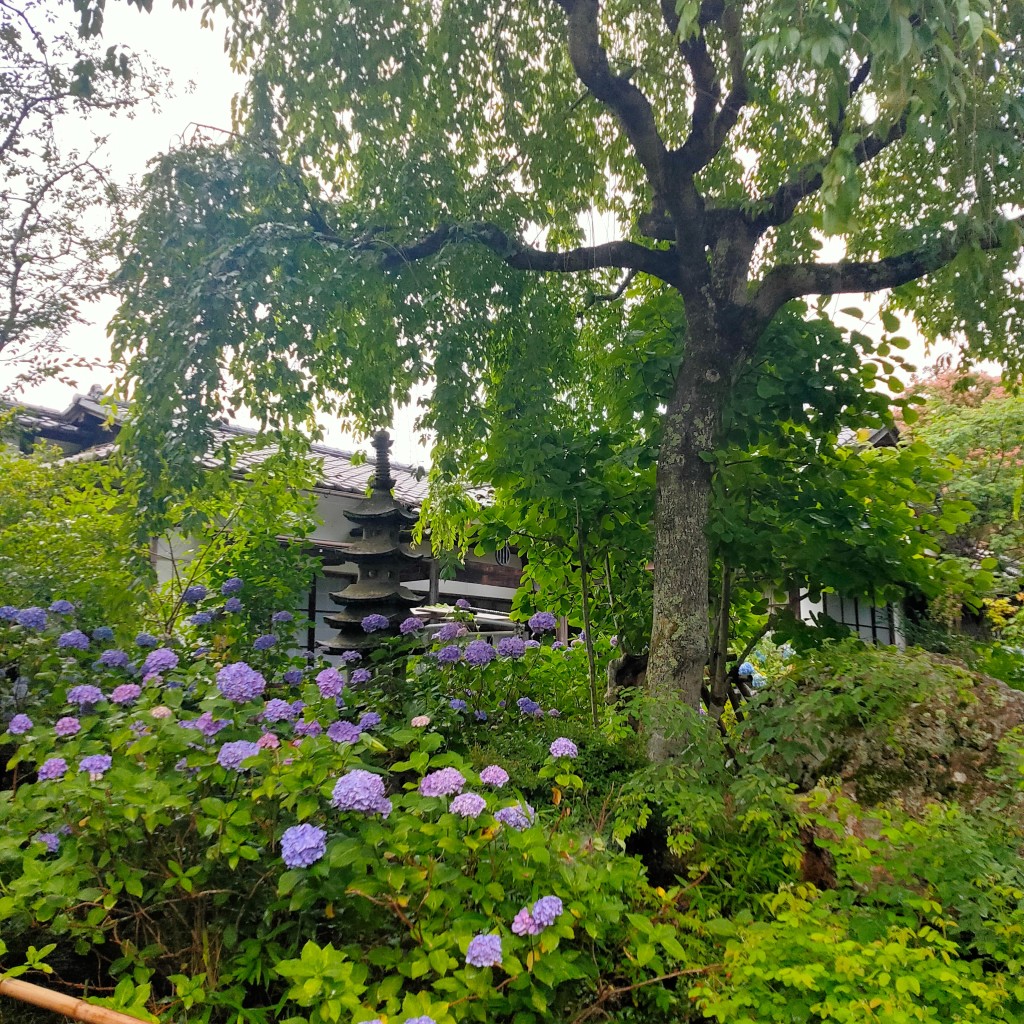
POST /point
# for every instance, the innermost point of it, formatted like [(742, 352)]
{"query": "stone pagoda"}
[(379, 553)]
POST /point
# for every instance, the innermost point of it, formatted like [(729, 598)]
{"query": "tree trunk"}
[(679, 635)]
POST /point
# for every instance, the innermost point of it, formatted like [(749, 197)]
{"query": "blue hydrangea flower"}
[(303, 845), (278, 710), (518, 816), (480, 716), (375, 622), (200, 619), (757, 681), (360, 676), (450, 654), (484, 951), (163, 659), (511, 647), (360, 790), (146, 640), (330, 682), (67, 726), (74, 640), (49, 839), (746, 669), (51, 769), (494, 775), (542, 622), (409, 625), (546, 911), (563, 747), (457, 705), (479, 653), (450, 631), (527, 706), (31, 618), (232, 605), (113, 658), (19, 725), (468, 805), (233, 753), (96, 765), (240, 682), (103, 634), (8, 613), (343, 732), (62, 607), (293, 676), (369, 720), (280, 617), (194, 594), (126, 693), (264, 643), (85, 696), (231, 586), (349, 656), (444, 782)]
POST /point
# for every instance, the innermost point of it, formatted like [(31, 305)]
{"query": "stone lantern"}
[(380, 554)]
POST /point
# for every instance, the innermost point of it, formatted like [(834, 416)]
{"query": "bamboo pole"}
[(77, 1009)]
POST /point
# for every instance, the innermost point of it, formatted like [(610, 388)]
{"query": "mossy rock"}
[(889, 724)]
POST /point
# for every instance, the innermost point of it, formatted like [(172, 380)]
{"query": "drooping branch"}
[(789, 282)]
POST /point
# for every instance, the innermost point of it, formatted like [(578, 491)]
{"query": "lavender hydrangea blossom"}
[(330, 682), (542, 622), (126, 693), (278, 710), (51, 769), (450, 631), (349, 656), (463, 605), (449, 655), (369, 720), (103, 634), (374, 623), (311, 728), (97, 765), (264, 643), (67, 726), (200, 619), (445, 782), (480, 716), (206, 725), (85, 696), (527, 706), (62, 607), (484, 951), (343, 732), (524, 924), (546, 911), (73, 639), (409, 625), (479, 653), (360, 790), (279, 618), (233, 753), (518, 816), (563, 747), (232, 605), (240, 682), (49, 839), (163, 659), (303, 845), (8, 613), (361, 676), (19, 725), (293, 676), (194, 594), (231, 586), (456, 704), (146, 640), (494, 775), (511, 647), (31, 618), (468, 805), (113, 658)]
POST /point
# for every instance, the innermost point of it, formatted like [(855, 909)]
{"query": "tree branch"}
[(788, 282)]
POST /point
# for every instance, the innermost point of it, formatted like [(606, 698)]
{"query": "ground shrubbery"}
[(206, 828)]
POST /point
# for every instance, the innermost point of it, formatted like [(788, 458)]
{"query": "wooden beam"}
[(69, 1006)]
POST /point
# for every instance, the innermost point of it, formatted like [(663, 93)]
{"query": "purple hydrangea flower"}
[(51, 769), (200, 619), (95, 764), (468, 805), (232, 605), (232, 754), (163, 659), (360, 790), (293, 676), (268, 741), (463, 605), (563, 748), (484, 951), (113, 658), (480, 716), (554, 713), (445, 782), (349, 656), (330, 682), (542, 622), (511, 647), (62, 607), (557, 645), (494, 775), (527, 706), (8, 613), (375, 622), (281, 617), (146, 640), (370, 720), (231, 586), (479, 653), (207, 725), (409, 625), (85, 696), (450, 631), (546, 911), (303, 845), (126, 693), (67, 726), (518, 816), (139, 728), (74, 639), (457, 705), (360, 676), (311, 728), (264, 643), (343, 732), (524, 924), (422, 1019), (450, 654), (533, 644), (194, 594), (278, 710), (49, 839), (19, 725), (31, 618), (240, 682)]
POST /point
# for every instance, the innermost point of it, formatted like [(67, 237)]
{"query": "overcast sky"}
[(202, 85)]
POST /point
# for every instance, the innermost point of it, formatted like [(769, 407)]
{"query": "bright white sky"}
[(201, 91)]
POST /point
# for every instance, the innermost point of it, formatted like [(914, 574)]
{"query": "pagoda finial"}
[(382, 478)]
